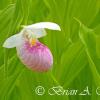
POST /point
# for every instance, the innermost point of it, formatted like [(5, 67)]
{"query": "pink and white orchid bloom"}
[(35, 55)]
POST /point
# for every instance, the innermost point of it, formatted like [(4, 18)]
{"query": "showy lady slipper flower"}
[(32, 53)]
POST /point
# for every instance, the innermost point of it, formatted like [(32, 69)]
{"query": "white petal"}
[(35, 33), (48, 25), (13, 41)]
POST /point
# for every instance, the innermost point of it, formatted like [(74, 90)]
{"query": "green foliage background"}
[(76, 49)]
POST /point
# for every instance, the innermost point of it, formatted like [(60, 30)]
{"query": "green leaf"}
[(88, 38)]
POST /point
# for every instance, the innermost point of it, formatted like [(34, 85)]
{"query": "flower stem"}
[(5, 65)]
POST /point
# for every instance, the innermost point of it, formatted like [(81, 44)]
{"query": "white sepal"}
[(35, 33), (41, 25), (13, 41)]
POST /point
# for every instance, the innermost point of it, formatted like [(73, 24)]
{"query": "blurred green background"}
[(76, 49)]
